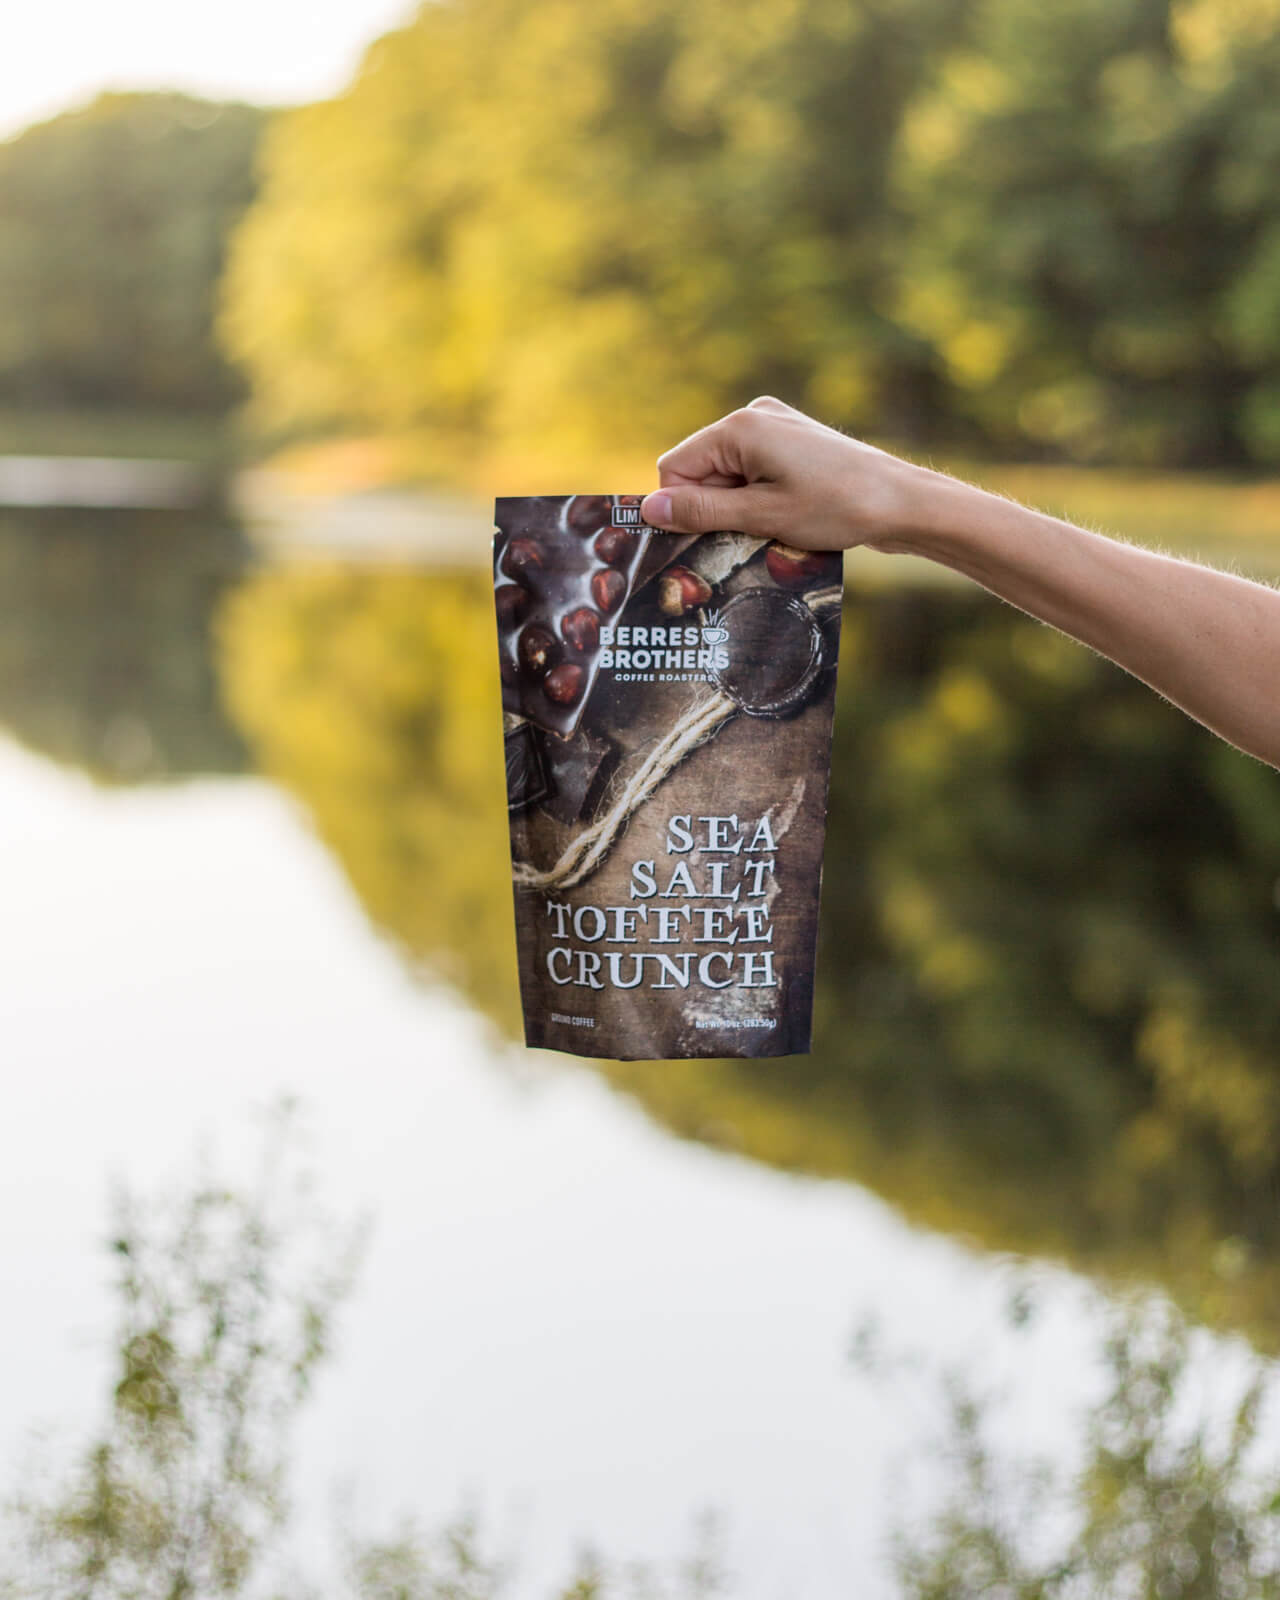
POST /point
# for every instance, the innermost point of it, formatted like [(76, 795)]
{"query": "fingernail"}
[(656, 509)]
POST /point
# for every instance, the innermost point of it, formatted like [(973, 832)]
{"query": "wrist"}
[(925, 513)]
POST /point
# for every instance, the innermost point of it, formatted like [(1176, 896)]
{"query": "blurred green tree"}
[(535, 233), (113, 225), (1096, 192), (521, 227), (225, 1298), (453, 1564), (1175, 1497)]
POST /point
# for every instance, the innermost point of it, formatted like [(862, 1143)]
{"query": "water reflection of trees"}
[(1047, 1009), (104, 640), (370, 694)]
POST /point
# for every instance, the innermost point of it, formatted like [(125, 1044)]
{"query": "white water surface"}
[(567, 1319)]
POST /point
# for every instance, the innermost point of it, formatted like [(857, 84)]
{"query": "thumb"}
[(695, 508)]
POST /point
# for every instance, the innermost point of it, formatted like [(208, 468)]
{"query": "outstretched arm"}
[(1208, 641)]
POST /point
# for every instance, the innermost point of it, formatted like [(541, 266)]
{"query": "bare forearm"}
[(1206, 640)]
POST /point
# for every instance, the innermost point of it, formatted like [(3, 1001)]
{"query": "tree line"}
[(548, 232), (538, 231), (114, 222)]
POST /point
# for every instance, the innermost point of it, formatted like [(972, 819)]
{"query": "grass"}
[(1226, 520), (1213, 515)]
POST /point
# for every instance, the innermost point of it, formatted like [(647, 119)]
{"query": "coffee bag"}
[(667, 705)]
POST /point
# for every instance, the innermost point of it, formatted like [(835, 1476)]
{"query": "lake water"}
[(572, 1316)]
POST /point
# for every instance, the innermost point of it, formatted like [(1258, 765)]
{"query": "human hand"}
[(771, 471)]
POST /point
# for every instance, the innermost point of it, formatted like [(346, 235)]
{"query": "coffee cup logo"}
[(713, 630)]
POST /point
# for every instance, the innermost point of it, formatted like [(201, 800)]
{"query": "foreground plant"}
[(1177, 1496), (225, 1299), (225, 1302)]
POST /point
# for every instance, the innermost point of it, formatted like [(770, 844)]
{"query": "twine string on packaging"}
[(585, 853)]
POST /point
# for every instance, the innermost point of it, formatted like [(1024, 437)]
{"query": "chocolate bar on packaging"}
[(667, 706)]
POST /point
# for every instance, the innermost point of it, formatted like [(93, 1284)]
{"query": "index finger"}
[(713, 455)]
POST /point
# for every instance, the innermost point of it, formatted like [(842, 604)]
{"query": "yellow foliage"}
[(976, 352), (977, 84), (1207, 1076), (966, 704), (910, 913), (576, 227), (1208, 33), (955, 965), (1051, 656)]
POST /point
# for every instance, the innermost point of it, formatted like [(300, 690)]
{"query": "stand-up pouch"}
[(667, 708)]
